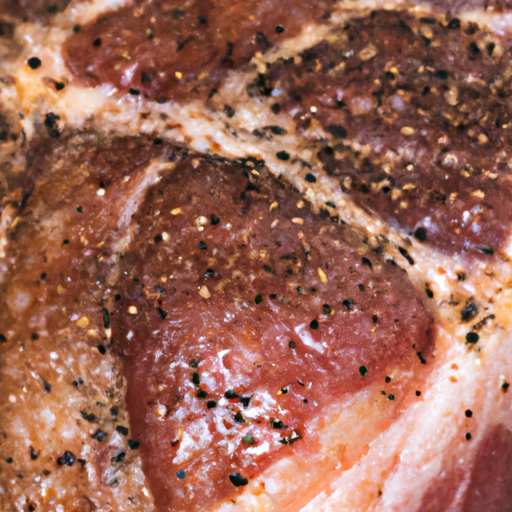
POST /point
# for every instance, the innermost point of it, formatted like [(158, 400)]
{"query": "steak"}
[(255, 256)]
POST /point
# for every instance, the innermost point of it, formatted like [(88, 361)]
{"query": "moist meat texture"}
[(165, 50), (418, 116), (255, 256), (242, 316)]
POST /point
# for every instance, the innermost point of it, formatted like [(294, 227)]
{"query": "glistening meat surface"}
[(109, 339), (243, 317)]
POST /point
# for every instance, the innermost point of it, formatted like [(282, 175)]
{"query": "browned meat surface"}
[(243, 316), (174, 50), (419, 116), (61, 390), (182, 332), (33, 10)]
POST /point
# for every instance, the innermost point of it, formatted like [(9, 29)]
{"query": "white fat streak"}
[(82, 12), (132, 201), (258, 450), (195, 439), (306, 338)]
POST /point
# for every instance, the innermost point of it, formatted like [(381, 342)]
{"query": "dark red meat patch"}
[(242, 316), (173, 50), (418, 116)]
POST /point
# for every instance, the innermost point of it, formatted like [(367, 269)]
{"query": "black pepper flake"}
[(133, 444), (366, 262), (133, 91), (33, 454), (47, 387), (279, 29), (486, 249), (99, 435), (114, 411), (421, 234), (67, 459), (202, 246), (97, 42), (78, 382), (238, 480), (91, 418), (44, 275), (326, 309), (421, 358), (283, 155), (454, 23), (181, 474), (292, 344), (442, 74), (106, 318), (202, 394), (210, 273), (50, 121), (313, 324), (418, 392), (9, 460), (238, 417), (472, 337), (258, 299), (122, 430), (337, 130), (203, 19), (230, 394), (76, 29), (79, 209), (245, 400), (361, 287), (387, 379), (34, 62), (428, 291), (469, 311), (363, 371), (276, 108), (59, 86), (348, 303), (277, 424), (35, 336), (310, 178), (468, 436), (276, 130), (102, 350), (194, 377), (163, 314), (391, 397), (473, 47), (468, 413), (119, 457), (428, 21), (229, 111), (211, 404), (505, 387), (405, 254), (267, 268)]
